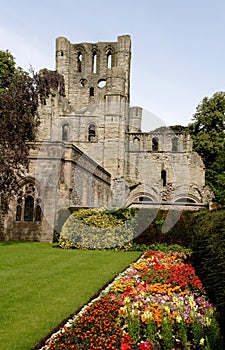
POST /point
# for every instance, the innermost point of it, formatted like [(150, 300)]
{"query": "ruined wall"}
[(60, 176), (163, 167), (87, 67), (90, 150)]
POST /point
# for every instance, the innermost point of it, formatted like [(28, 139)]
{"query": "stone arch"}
[(80, 59), (94, 59), (109, 53), (136, 143), (141, 197), (186, 199), (144, 198), (65, 131)]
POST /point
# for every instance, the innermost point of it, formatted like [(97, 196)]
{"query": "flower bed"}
[(157, 303)]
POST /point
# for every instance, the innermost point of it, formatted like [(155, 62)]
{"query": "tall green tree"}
[(208, 134), (20, 94)]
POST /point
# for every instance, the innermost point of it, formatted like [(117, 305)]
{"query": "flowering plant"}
[(157, 303), (166, 305)]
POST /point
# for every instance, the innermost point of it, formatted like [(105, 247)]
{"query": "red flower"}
[(126, 342), (147, 345), (125, 347)]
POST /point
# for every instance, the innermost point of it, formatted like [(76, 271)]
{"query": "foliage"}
[(170, 247), (7, 69), (163, 247), (137, 314), (208, 256), (61, 217), (207, 131), (98, 229), (180, 232), (177, 129), (20, 94)]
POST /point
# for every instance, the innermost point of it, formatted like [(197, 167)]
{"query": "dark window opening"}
[(91, 91), (65, 132), (144, 199), (155, 144), (29, 209), (183, 200), (109, 60), (18, 213), (163, 177), (94, 62), (91, 133), (175, 144), (61, 53), (79, 61), (38, 213)]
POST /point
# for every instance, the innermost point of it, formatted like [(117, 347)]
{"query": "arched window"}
[(79, 61), (109, 59), (29, 208), (28, 204), (136, 142), (94, 62), (175, 144), (163, 177), (155, 144), (91, 133), (65, 132)]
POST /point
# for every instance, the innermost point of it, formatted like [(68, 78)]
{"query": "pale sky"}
[(178, 46)]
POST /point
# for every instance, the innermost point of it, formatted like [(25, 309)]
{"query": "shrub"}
[(180, 233), (99, 229), (61, 218), (208, 245)]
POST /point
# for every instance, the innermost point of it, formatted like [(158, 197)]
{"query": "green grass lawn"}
[(40, 285)]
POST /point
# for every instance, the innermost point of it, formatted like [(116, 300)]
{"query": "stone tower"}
[(97, 86)]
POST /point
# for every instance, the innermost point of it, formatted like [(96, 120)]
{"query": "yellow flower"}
[(202, 340), (208, 321), (178, 318)]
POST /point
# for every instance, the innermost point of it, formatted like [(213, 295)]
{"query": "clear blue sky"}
[(178, 47)]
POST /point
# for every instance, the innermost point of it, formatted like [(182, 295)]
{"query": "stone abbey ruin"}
[(91, 152)]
